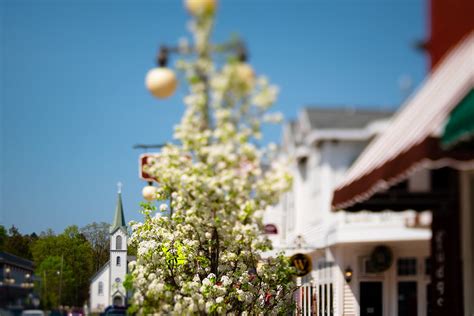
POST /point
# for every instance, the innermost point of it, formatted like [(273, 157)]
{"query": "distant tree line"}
[(64, 263)]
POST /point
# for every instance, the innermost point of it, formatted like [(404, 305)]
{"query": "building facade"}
[(107, 284), (16, 280), (321, 145), (436, 140)]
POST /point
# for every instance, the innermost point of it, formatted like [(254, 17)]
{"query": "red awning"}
[(410, 141)]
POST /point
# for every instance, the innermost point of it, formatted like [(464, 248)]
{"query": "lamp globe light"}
[(149, 193), (199, 7), (161, 82)]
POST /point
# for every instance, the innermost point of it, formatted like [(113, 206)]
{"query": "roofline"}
[(351, 134), (93, 278), (356, 108), (340, 134), (119, 292), (22, 262), (123, 228), (119, 216), (333, 134)]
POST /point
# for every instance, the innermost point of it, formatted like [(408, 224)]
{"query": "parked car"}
[(5, 312), (56, 312), (32, 312), (115, 311), (76, 312)]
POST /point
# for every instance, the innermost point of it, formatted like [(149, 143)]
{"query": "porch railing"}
[(305, 299)]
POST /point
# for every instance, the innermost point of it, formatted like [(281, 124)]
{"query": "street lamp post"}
[(162, 84), (60, 273), (212, 179)]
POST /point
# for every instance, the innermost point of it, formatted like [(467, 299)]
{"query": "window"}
[(427, 266), (367, 267), (118, 261), (406, 266), (118, 242), (101, 288), (303, 167)]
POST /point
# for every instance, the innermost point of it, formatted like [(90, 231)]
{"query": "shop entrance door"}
[(371, 297), (407, 298)]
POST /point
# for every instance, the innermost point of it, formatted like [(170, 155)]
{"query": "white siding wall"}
[(98, 302), (339, 237), (308, 205)]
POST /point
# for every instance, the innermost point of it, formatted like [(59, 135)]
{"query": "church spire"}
[(119, 218)]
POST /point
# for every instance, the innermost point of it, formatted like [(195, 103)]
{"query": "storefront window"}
[(428, 266), (406, 266)]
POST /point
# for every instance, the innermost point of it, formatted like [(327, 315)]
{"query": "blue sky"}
[(73, 101)]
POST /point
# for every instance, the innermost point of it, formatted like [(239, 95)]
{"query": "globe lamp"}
[(161, 82), (149, 193), (199, 7)]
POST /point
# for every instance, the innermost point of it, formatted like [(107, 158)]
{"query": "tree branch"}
[(215, 252)]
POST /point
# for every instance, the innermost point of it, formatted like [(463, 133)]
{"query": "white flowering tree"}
[(206, 257)]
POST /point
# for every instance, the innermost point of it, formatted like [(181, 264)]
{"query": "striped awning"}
[(411, 140), (460, 126)]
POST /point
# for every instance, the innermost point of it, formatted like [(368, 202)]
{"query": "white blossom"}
[(207, 257)]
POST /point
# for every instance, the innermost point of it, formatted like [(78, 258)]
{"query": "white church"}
[(106, 285)]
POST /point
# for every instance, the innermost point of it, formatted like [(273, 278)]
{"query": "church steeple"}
[(118, 255), (119, 218)]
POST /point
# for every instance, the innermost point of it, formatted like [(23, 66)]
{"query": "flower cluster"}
[(205, 257)]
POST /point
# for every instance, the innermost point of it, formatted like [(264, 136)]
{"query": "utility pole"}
[(61, 278)]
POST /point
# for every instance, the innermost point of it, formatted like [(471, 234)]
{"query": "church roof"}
[(119, 218), (100, 271)]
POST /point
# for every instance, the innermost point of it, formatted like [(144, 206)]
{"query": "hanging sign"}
[(270, 229), (302, 263), (143, 160)]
